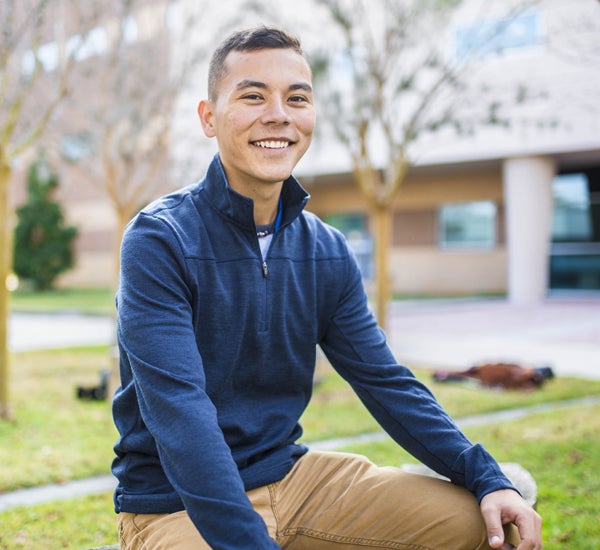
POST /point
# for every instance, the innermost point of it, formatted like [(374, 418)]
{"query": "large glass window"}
[(572, 214), (493, 37), (467, 225), (575, 254)]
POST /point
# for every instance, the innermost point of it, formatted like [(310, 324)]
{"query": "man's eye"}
[(298, 99), (253, 97)]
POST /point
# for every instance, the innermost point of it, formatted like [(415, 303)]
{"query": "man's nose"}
[(276, 111)]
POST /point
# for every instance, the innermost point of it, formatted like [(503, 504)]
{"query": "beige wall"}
[(93, 270), (418, 264), (418, 270), (95, 246)]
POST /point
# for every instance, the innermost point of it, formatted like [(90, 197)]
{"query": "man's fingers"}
[(506, 506), (493, 522), (529, 530), (496, 540), (494, 529)]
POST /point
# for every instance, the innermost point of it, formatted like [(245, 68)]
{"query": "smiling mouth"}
[(273, 144)]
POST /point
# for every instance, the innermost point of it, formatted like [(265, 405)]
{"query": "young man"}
[(226, 289)]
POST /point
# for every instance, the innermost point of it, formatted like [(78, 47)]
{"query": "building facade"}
[(512, 210)]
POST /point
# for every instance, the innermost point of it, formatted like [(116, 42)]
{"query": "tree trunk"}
[(123, 217), (5, 269), (382, 218)]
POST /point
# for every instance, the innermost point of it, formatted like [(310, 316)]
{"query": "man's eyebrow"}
[(301, 86), (247, 83)]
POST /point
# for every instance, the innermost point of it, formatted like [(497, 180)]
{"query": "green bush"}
[(43, 243)]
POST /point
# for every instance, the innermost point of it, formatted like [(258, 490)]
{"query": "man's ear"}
[(205, 113)]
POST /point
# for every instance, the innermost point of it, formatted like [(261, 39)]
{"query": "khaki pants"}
[(338, 500)]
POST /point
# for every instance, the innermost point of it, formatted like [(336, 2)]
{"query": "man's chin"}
[(277, 176)]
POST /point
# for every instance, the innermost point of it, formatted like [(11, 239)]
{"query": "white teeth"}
[(272, 144)]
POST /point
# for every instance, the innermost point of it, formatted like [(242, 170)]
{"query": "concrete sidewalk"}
[(31, 331), (562, 332)]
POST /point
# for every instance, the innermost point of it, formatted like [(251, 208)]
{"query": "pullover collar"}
[(240, 209)]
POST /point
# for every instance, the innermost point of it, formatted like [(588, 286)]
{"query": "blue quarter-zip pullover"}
[(217, 353)]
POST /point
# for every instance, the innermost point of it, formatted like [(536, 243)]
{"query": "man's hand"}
[(507, 506)]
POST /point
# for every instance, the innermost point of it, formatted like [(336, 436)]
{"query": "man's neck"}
[(265, 198), (265, 212)]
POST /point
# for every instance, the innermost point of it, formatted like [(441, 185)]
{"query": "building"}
[(505, 210), (107, 139), (513, 210)]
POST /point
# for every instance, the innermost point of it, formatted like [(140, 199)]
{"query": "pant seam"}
[(360, 541), (273, 502), (121, 529), (139, 533)]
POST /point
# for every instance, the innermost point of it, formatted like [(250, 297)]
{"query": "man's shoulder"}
[(175, 214), (327, 241), (321, 228), (178, 199)]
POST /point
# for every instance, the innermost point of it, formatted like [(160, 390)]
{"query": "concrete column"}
[(528, 204)]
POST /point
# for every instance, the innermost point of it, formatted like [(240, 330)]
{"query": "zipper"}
[(265, 267)]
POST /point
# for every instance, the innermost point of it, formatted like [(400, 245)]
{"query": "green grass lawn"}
[(56, 437), (97, 301), (75, 524), (335, 411)]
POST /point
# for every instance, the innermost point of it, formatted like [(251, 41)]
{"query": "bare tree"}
[(127, 98), (392, 82), (121, 64), (36, 61), (128, 115)]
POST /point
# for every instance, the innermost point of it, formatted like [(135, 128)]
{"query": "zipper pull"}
[(265, 269)]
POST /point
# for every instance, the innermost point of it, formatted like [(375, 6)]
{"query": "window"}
[(74, 147), (575, 253), (129, 28), (46, 55), (572, 219), (493, 37), (467, 225), (348, 223), (354, 226), (173, 15), (79, 47), (95, 42)]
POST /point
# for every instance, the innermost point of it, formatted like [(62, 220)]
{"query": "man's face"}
[(263, 116)]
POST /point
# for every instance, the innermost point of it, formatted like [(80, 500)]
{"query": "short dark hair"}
[(254, 39)]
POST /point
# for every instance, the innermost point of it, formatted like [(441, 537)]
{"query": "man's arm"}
[(156, 335), (403, 406), (408, 411)]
